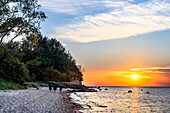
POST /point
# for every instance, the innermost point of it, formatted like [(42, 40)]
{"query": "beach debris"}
[(106, 89), (102, 106), (130, 91), (148, 92), (100, 89), (93, 103), (83, 90), (88, 105)]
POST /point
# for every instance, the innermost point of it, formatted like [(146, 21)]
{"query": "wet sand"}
[(36, 101)]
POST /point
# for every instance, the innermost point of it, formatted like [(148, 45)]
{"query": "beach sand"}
[(36, 101)]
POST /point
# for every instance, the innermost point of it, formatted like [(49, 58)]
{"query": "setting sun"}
[(134, 76)]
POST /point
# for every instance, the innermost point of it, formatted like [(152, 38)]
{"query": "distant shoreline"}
[(133, 86)]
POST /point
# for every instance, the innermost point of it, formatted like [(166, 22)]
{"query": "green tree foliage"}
[(46, 60), (51, 74), (40, 70), (3, 51), (51, 49), (11, 69), (18, 17)]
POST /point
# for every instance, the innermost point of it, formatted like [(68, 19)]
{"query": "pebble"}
[(34, 101)]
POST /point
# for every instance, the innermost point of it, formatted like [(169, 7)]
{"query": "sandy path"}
[(33, 101)]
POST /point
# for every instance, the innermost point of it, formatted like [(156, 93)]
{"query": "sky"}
[(118, 42)]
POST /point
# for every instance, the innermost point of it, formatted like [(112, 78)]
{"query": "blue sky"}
[(109, 34), (95, 20)]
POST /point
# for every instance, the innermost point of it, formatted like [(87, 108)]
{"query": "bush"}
[(11, 69), (4, 85)]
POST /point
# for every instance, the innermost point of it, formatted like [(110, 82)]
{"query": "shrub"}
[(11, 69), (4, 85)]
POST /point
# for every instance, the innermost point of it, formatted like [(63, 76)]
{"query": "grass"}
[(64, 85), (5, 85)]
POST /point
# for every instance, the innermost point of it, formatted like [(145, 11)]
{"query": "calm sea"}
[(118, 100)]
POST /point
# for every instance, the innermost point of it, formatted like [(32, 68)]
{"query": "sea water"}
[(118, 100)]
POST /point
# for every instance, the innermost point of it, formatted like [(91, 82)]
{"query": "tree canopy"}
[(19, 17), (53, 54), (46, 60), (36, 57)]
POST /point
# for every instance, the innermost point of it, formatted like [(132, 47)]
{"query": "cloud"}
[(73, 7), (127, 74), (153, 70), (123, 20)]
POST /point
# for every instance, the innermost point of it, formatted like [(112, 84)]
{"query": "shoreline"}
[(37, 101), (75, 106)]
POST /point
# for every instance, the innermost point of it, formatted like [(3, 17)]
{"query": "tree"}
[(52, 49), (19, 17), (44, 57)]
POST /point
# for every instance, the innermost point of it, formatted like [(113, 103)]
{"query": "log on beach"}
[(83, 90), (34, 101)]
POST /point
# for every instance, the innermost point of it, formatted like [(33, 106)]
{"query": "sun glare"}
[(134, 76)]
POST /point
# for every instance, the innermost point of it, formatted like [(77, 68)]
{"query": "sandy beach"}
[(35, 101)]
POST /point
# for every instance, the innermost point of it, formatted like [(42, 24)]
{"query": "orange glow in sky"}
[(156, 76)]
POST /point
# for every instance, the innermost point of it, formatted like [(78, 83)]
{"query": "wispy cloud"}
[(73, 7), (124, 19), (128, 74), (152, 70)]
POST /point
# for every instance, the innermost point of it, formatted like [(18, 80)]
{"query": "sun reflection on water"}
[(135, 100), (118, 100)]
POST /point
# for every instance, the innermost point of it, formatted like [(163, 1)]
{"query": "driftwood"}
[(102, 106), (83, 90)]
